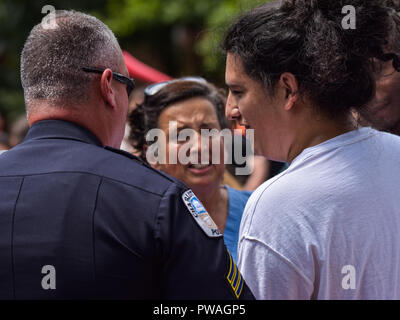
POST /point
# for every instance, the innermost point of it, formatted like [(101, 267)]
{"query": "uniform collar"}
[(60, 129)]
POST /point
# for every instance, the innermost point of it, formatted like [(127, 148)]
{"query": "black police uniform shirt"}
[(81, 221)]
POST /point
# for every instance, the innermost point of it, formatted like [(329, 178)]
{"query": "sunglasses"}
[(129, 82), (154, 88)]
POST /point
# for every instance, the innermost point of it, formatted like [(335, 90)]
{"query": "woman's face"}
[(193, 114)]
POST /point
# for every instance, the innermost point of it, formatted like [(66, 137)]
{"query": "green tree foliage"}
[(17, 18), (155, 21), (179, 37)]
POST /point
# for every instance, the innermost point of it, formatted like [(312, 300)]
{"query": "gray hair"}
[(52, 59)]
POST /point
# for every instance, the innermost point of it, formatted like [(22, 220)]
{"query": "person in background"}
[(18, 130), (328, 226), (80, 218), (136, 98), (383, 112), (194, 104)]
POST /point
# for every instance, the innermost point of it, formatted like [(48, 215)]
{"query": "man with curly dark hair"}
[(327, 227)]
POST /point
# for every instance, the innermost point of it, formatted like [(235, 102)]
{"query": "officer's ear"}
[(107, 91)]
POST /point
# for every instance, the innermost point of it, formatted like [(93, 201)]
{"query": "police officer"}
[(78, 217)]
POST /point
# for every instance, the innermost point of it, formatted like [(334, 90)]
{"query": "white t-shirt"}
[(329, 226)]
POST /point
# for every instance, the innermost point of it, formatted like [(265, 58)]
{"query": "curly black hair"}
[(145, 116), (334, 66)]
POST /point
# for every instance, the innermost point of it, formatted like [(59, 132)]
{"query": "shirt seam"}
[(94, 232), (309, 154), (83, 172), (12, 238), (156, 222), (157, 236), (280, 256), (261, 194)]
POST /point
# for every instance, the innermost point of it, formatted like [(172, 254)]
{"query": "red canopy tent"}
[(142, 72)]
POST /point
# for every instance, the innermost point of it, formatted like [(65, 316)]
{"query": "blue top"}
[(237, 200)]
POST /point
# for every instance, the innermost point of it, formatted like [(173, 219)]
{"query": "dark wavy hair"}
[(394, 37), (334, 67), (145, 116)]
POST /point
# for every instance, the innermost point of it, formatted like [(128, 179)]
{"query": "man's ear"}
[(107, 91), (290, 85)]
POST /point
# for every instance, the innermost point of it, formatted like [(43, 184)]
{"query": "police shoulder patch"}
[(200, 214)]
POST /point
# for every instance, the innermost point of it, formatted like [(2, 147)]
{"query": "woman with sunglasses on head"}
[(327, 227), (194, 104)]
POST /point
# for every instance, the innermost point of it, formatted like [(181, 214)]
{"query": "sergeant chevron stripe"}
[(234, 277)]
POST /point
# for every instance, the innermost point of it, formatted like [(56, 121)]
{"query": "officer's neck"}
[(85, 116)]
